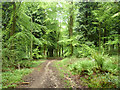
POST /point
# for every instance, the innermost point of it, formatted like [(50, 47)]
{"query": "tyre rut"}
[(46, 77)]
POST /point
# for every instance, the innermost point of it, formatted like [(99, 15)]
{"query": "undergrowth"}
[(62, 67), (22, 64), (11, 77), (93, 76), (100, 71), (97, 70)]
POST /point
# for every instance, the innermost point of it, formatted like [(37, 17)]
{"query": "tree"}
[(71, 26)]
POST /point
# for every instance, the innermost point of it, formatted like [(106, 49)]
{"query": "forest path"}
[(44, 76)]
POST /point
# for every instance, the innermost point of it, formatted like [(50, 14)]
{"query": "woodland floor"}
[(45, 76)]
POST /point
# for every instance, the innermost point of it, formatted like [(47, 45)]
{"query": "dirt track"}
[(44, 76)]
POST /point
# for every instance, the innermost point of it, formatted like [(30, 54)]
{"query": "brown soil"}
[(44, 76)]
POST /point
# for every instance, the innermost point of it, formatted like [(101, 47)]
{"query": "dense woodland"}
[(47, 30)]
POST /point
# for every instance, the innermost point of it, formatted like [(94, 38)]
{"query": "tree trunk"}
[(57, 45), (47, 53), (13, 24), (119, 44), (31, 39), (14, 20), (50, 50), (104, 35), (62, 50), (44, 49), (59, 51), (99, 39), (71, 28)]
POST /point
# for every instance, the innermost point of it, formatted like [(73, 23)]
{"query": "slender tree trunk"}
[(104, 35), (14, 19), (13, 24), (119, 44), (71, 27), (31, 39), (57, 45), (104, 41), (59, 51), (47, 53), (99, 39), (50, 50), (62, 50), (44, 49), (27, 53)]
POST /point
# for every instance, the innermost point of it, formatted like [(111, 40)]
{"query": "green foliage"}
[(36, 54), (11, 65), (103, 81), (111, 66), (13, 76), (105, 78), (98, 57), (95, 78), (30, 63), (15, 49), (82, 52), (89, 72), (36, 63), (11, 79), (42, 29), (11, 57), (83, 67), (67, 52), (65, 62)]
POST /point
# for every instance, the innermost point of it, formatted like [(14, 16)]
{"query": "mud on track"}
[(44, 76)]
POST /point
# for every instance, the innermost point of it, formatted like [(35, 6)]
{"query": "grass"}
[(90, 74), (105, 80), (62, 66), (36, 63), (93, 76), (10, 79), (30, 63)]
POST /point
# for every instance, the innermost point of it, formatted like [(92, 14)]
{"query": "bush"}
[(110, 66), (92, 75), (83, 67), (36, 54), (103, 81), (11, 58), (98, 57), (29, 63), (81, 52)]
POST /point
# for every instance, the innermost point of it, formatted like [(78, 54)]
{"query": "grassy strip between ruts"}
[(62, 66), (62, 71), (10, 79)]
